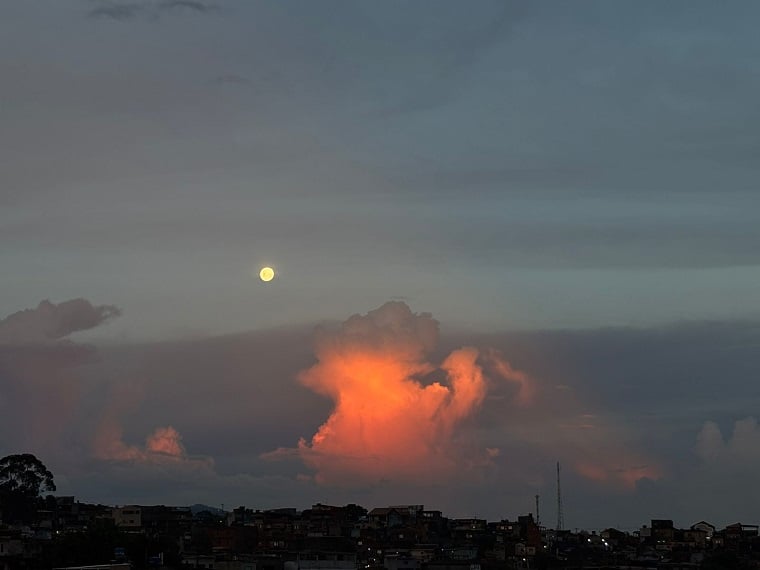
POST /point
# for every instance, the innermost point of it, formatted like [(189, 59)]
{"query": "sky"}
[(505, 234)]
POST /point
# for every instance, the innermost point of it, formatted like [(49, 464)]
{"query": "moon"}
[(266, 274)]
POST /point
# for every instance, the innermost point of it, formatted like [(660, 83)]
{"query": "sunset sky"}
[(505, 234)]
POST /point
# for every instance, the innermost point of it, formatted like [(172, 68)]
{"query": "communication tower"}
[(560, 515)]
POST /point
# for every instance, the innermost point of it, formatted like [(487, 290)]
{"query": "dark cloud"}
[(50, 321), (659, 384), (37, 356), (257, 369), (117, 11), (41, 387), (123, 11), (191, 5)]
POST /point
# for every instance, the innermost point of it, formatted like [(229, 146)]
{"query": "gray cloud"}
[(41, 385), (696, 369), (123, 11), (117, 11), (190, 5), (51, 321), (603, 233)]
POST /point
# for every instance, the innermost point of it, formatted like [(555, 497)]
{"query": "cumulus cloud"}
[(50, 321), (400, 415), (165, 443), (396, 414), (710, 442), (742, 447), (163, 446)]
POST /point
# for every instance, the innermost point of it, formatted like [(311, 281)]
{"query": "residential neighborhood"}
[(67, 533)]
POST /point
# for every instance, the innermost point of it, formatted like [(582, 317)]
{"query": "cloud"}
[(122, 11), (585, 401), (710, 442), (401, 416), (117, 11), (396, 415), (741, 448), (167, 441), (617, 469), (163, 445), (711, 480), (192, 5), (40, 386), (50, 321)]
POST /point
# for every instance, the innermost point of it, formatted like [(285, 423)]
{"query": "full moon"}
[(266, 273)]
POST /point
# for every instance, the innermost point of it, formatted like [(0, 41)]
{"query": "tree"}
[(22, 478), (24, 474)]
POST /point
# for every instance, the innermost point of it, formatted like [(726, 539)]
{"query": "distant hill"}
[(197, 508)]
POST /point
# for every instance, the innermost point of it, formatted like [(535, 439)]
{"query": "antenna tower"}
[(560, 515), (538, 513)]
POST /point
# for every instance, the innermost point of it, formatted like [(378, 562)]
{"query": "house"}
[(387, 517), (662, 530), (694, 538), (410, 513), (705, 526), (736, 534), (127, 517), (169, 521), (613, 536)]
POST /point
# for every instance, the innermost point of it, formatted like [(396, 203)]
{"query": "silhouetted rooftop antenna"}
[(560, 515), (538, 512)]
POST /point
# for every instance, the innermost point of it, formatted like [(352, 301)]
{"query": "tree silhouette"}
[(22, 478)]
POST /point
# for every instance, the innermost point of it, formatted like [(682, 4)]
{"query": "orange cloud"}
[(525, 388), (621, 471), (163, 442), (391, 419)]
